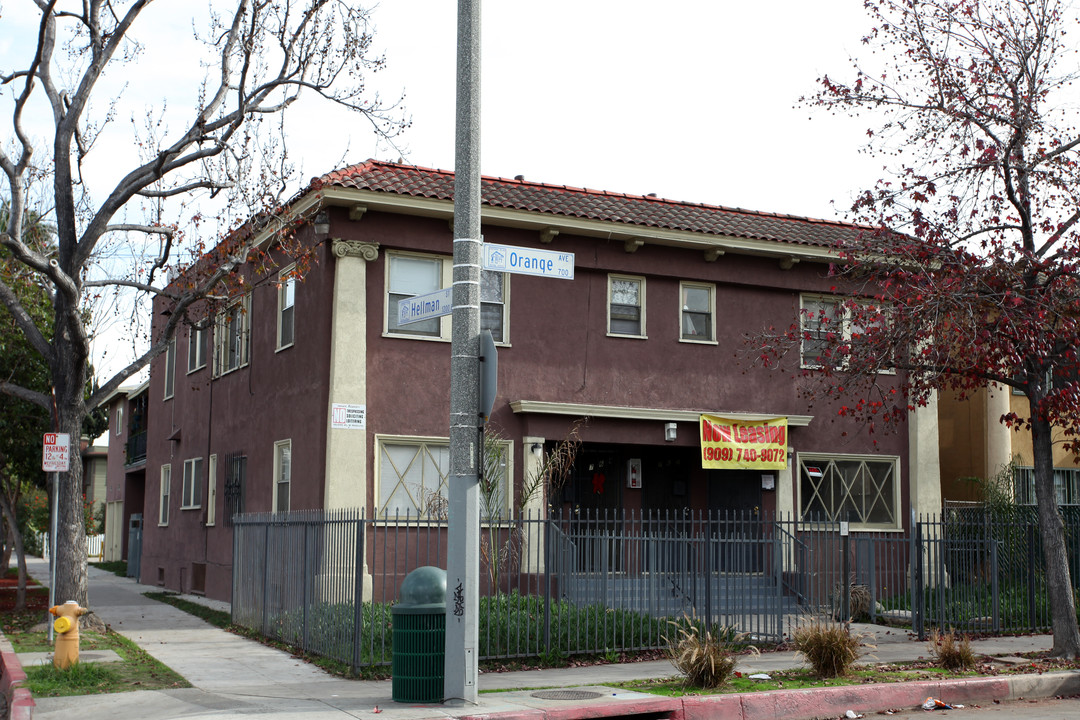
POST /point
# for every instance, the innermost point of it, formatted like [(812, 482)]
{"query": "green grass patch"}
[(116, 567), (136, 670), (217, 618), (796, 679)]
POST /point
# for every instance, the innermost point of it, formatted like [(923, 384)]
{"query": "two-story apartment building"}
[(309, 393)]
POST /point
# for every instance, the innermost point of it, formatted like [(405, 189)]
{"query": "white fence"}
[(95, 546)]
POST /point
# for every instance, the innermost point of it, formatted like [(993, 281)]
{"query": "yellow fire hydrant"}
[(66, 625)]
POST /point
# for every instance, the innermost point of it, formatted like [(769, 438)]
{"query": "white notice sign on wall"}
[(348, 417)]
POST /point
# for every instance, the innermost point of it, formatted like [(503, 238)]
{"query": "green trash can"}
[(420, 637)]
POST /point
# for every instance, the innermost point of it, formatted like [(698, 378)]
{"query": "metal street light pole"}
[(463, 545)]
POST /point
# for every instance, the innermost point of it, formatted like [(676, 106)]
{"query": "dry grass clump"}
[(706, 657), (950, 651), (830, 648), (860, 602)]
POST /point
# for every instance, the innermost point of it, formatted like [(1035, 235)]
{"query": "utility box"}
[(134, 559), (419, 641)]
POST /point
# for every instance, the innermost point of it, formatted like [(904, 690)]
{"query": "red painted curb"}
[(20, 703), (815, 702)]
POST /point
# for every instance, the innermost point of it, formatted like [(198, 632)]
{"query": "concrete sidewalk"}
[(235, 677)]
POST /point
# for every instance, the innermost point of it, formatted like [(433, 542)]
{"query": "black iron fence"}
[(604, 583)]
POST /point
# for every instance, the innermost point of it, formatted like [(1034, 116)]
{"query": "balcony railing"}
[(136, 448)]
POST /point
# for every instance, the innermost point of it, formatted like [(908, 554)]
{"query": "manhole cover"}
[(566, 695)]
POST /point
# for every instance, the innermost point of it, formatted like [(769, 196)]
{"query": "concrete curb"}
[(817, 702), (19, 701)]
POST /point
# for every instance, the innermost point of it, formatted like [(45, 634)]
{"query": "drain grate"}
[(566, 695)]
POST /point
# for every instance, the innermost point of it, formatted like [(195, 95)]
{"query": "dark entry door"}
[(735, 510)]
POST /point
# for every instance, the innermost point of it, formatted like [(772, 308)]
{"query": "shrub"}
[(830, 648), (951, 652), (705, 657)]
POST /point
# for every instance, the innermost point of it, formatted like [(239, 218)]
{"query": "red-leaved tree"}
[(969, 280)]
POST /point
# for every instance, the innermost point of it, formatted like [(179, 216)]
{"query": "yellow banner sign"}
[(747, 444)]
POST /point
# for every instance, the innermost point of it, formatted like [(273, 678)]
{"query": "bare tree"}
[(970, 278), (225, 140)]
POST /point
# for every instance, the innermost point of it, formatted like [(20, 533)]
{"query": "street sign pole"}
[(463, 541), (55, 458)]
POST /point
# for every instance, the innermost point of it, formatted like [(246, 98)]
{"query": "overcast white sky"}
[(693, 100), (690, 99)]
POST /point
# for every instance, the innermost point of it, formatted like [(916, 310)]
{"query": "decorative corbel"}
[(712, 253), (547, 235), (356, 212), (786, 263), (368, 251), (632, 245)]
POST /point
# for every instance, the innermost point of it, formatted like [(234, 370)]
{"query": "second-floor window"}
[(170, 368), (412, 275), (698, 303), (286, 329), (196, 357), (822, 322), (232, 336), (626, 305)]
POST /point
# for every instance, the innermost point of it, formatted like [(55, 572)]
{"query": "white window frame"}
[(280, 448), (844, 325), (191, 496), (170, 369), (120, 418), (711, 289), (224, 339), (822, 461), (197, 345), (211, 491), (612, 279), (286, 302), (164, 491), (446, 276), (426, 497)]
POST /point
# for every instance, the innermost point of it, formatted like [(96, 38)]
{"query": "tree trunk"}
[(1055, 555), (70, 557), (20, 554)]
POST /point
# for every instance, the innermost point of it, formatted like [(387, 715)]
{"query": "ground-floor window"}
[(1066, 486), (413, 475), (864, 491)]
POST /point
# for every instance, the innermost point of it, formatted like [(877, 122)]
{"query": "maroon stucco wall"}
[(279, 395)]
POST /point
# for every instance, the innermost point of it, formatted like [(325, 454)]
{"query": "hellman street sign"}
[(529, 261), (425, 307)]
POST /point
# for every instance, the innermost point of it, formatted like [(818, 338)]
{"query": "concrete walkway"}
[(234, 677)]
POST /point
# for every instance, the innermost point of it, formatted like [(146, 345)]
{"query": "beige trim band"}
[(541, 407)]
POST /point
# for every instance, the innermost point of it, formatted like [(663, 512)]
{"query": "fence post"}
[(549, 521), (918, 601), (1031, 575), (995, 589), (358, 594), (778, 568), (266, 578), (845, 571), (308, 581)]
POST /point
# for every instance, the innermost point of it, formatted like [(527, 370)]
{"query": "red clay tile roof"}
[(574, 202)]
